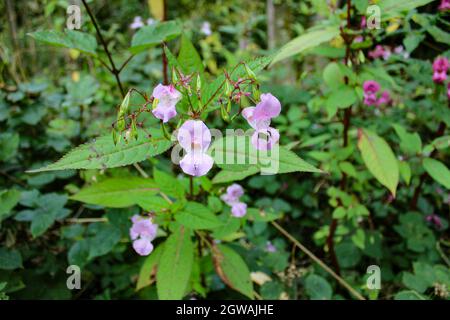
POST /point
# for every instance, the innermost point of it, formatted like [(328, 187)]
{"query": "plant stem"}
[(164, 57), (191, 187), (113, 68), (341, 281)]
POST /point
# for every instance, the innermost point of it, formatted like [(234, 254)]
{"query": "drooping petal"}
[(384, 99), (167, 97), (196, 163), (371, 86), (370, 99), (439, 77), (440, 64), (164, 113), (269, 107), (248, 112), (144, 228), (143, 246), (235, 191), (265, 139), (194, 136), (239, 209), (229, 200)]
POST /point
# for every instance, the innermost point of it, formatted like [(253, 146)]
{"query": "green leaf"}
[(409, 295), (78, 40), (234, 175), (405, 171), (153, 35), (169, 185), (105, 238), (41, 222), (153, 203), (438, 171), (8, 200), (10, 259), (394, 8), (332, 75), (310, 39), (188, 58), (318, 288), (237, 153), (9, 144), (410, 143), (102, 153), (379, 159), (342, 97), (117, 192), (196, 216), (148, 269), (232, 269), (175, 266)]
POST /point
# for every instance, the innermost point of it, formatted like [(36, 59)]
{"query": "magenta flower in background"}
[(385, 98), (137, 23), (401, 51), (259, 118), (378, 52), (239, 209), (142, 232), (448, 90), (371, 86), (444, 5), (195, 138), (231, 198), (440, 67), (363, 22), (435, 220), (167, 97)]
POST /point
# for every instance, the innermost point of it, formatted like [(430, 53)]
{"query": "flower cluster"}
[(231, 198), (385, 52), (138, 23), (440, 67), (194, 137), (142, 232), (259, 118), (371, 88), (444, 5)]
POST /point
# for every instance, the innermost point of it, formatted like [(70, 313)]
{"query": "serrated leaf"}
[(69, 39), (188, 58), (234, 175), (175, 266), (438, 171), (394, 8), (308, 40), (102, 153), (117, 192), (196, 216), (153, 35), (232, 269), (8, 200), (379, 159), (148, 269)]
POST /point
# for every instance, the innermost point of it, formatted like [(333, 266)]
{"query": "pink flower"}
[(439, 77), (259, 118), (143, 246), (167, 97), (445, 5), (387, 53), (370, 99), (239, 209), (195, 138), (265, 139), (440, 64), (206, 28), (385, 98), (359, 39), (448, 90), (435, 220), (371, 86), (142, 232), (137, 23), (234, 192), (378, 52), (363, 22)]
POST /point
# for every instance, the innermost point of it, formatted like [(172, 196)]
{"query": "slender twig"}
[(113, 68), (341, 281), (125, 63), (87, 220)]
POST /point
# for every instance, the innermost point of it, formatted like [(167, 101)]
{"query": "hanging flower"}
[(435, 220), (142, 232), (440, 67), (444, 5), (259, 118), (370, 88), (385, 98), (167, 97), (231, 198), (194, 137), (239, 209), (206, 28)]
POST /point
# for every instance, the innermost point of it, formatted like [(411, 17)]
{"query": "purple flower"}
[(143, 246), (378, 52), (239, 209), (259, 118), (359, 39), (142, 232), (370, 99), (265, 139), (371, 86), (444, 5), (195, 138), (435, 220), (270, 247), (385, 98), (234, 192), (206, 28), (363, 22), (167, 97), (137, 23)]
